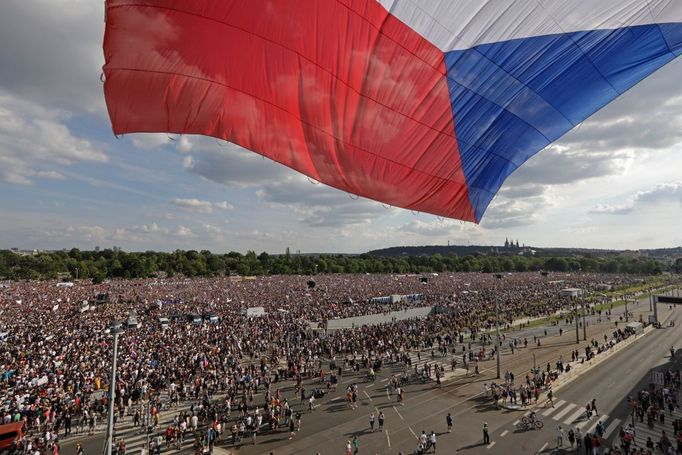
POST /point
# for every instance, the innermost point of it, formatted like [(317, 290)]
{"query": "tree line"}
[(107, 263)]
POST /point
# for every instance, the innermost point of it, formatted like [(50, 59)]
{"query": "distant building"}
[(571, 292), (510, 245)]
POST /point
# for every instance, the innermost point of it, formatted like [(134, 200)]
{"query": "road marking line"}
[(574, 416), (543, 447), (594, 425), (388, 439), (564, 411), (399, 415), (490, 446), (371, 385), (611, 427), (387, 395), (582, 424), (413, 433), (337, 399), (384, 380), (516, 423), (504, 433), (367, 395), (551, 410), (348, 380)]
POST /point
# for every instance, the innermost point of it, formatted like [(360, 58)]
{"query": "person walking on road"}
[(578, 439), (596, 445), (371, 421), (559, 437), (571, 437), (356, 444), (292, 430), (381, 421), (486, 434), (594, 407), (550, 396), (588, 444), (448, 419), (432, 441)]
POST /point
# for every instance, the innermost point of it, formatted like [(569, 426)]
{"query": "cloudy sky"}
[(614, 182)]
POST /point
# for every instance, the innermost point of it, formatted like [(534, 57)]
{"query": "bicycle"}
[(528, 424)]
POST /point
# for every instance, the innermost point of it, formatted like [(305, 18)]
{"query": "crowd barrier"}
[(380, 318)]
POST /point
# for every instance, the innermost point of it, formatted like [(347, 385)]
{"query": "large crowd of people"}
[(56, 342)]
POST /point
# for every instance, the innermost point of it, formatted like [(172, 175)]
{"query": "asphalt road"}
[(332, 423), (610, 383)]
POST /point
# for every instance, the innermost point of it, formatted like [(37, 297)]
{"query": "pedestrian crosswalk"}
[(644, 431), (565, 410), (573, 415), (419, 360), (135, 437)]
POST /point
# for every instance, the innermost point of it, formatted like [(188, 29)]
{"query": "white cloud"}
[(183, 231), (149, 141), (199, 206), (437, 228), (194, 205), (94, 233), (52, 53), (223, 205), (232, 165), (212, 229), (34, 139), (320, 205), (665, 192), (153, 229)]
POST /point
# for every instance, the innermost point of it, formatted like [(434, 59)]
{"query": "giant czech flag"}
[(422, 104)]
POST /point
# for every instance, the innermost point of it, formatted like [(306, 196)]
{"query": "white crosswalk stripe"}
[(564, 411), (444, 362), (643, 431), (582, 424), (602, 418), (556, 406), (612, 426), (135, 438), (575, 416)]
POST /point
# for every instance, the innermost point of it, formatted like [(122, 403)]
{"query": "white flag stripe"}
[(461, 24)]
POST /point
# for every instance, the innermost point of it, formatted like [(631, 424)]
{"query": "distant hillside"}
[(429, 250), (472, 250)]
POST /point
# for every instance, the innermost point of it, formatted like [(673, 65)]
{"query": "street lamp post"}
[(148, 421), (584, 320), (115, 331), (112, 389), (577, 318), (497, 319), (497, 324)]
